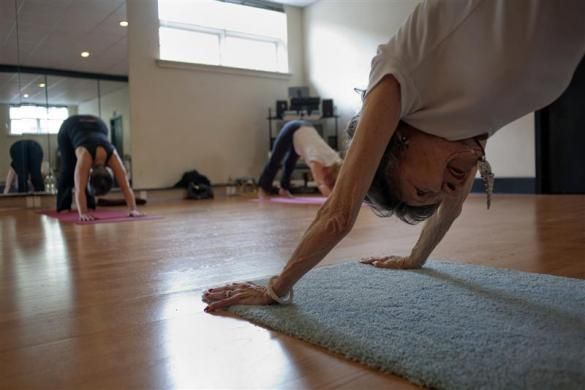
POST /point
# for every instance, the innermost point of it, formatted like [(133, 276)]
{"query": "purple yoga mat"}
[(102, 216), (318, 200)]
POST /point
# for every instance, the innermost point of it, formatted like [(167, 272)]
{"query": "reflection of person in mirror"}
[(25, 167), (298, 139), (89, 164)]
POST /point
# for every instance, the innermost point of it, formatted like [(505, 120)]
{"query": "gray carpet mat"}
[(452, 326)]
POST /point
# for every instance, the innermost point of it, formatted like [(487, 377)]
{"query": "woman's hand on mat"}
[(393, 262), (135, 213), (86, 217), (236, 294)]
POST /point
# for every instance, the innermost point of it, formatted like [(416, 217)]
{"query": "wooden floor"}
[(118, 305)]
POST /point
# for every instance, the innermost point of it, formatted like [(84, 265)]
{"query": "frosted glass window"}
[(249, 53), (189, 46), (218, 33)]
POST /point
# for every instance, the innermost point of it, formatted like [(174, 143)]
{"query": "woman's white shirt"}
[(469, 67), (311, 147)]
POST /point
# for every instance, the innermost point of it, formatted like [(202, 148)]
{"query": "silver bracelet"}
[(286, 300)]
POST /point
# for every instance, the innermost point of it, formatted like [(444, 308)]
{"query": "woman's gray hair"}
[(381, 197)]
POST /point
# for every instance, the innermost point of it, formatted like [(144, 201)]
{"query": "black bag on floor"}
[(193, 177), (198, 186), (199, 191)]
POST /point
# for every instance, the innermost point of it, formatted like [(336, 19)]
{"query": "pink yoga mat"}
[(102, 216), (318, 200), (296, 200)]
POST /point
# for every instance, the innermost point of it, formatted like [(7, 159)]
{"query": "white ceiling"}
[(53, 33), (58, 90)]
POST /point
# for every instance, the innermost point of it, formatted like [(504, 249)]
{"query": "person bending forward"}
[(298, 139), (89, 163)]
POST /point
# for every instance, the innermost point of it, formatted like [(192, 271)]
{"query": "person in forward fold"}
[(299, 139), (25, 167), (89, 163)]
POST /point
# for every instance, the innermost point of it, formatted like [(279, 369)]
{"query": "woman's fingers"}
[(239, 298), (232, 286), (234, 294), (392, 262), (368, 260), (389, 263), (373, 259), (213, 295)]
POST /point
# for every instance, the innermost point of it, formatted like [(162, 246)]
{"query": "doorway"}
[(560, 141)]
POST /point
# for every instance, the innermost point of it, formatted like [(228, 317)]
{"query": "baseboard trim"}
[(509, 185), (502, 185)]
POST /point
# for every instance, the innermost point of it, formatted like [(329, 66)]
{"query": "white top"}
[(311, 147), (469, 67)]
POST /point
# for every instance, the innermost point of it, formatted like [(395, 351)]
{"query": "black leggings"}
[(283, 150), (67, 164), (27, 158)]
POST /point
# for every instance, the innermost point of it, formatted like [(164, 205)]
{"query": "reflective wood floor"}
[(118, 305)]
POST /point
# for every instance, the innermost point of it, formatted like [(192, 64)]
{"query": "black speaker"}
[(281, 107), (327, 108)]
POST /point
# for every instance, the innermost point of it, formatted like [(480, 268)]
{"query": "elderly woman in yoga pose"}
[(456, 72)]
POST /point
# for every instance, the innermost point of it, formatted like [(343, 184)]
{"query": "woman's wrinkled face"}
[(430, 168)]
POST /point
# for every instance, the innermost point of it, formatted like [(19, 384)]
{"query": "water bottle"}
[(50, 186), (47, 182)]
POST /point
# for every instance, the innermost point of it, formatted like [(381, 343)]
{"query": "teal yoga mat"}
[(451, 326)]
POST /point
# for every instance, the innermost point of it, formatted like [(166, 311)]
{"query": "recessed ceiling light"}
[(41, 85), (85, 54), (124, 23), (25, 96)]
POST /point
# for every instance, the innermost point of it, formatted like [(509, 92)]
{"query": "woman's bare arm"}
[(122, 179), (10, 177), (379, 118), (440, 223), (432, 233), (82, 169)]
